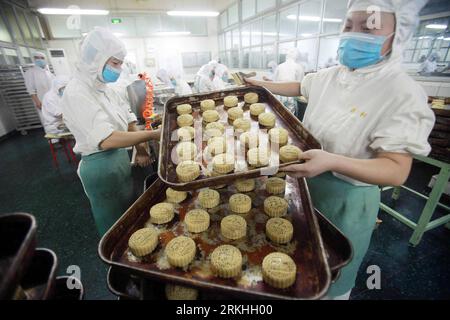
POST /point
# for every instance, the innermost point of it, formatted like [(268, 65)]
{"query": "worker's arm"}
[(387, 169), (122, 139), (142, 156), (287, 89), (36, 101)]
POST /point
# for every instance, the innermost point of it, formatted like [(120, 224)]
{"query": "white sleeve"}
[(407, 129), (306, 84), (29, 82), (89, 119)]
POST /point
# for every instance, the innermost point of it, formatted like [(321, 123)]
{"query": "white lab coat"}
[(289, 71), (91, 109), (38, 81), (358, 114), (52, 112)]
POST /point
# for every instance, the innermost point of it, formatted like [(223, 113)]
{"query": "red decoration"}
[(147, 111)]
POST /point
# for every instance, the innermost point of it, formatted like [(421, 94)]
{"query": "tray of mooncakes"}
[(215, 138), (256, 238)]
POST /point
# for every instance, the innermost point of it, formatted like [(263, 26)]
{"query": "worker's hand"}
[(38, 105), (266, 79), (142, 159), (252, 81), (156, 134), (316, 163)]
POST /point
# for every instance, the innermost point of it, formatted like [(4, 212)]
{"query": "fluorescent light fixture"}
[(193, 13), (172, 33), (73, 11), (312, 18), (436, 26)]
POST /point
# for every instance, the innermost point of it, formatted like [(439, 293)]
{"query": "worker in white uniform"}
[(430, 64), (38, 81), (290, 70), (272, 66), (221, 77), (51, 106), (103, 127), (370, 118), (203, 81), (174, 81)]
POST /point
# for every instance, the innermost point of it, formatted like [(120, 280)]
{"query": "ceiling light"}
[(118, 34), (73, 11), (436, 26), (193, 13), (172, 33)]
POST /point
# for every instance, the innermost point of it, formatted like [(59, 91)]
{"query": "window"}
[(11, 18), (11, 56), (308, 53), (309, 18), (432, 37), (328, 52), (245, 58), (148, 24), (263, 5), (234, 58), (25, 55), (248, 9), (33, 24), (233, 16), (334, 16), (171, 24), (4, 34), (24, 26), (245, 35), (270, 29), (256, 58), (268, 56), (228, 40), (196, 26), (288, 23), (223, 20), (256, 33), (235, 36)]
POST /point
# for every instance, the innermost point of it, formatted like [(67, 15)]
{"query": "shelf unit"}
[(14, 93)]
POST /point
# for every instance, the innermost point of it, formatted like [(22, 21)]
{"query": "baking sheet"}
[(307, 249), (298, 136)]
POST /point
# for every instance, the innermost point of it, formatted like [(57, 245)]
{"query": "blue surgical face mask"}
[(61, 91), (110, 74), (40, 63), (173, 82), (359, 50)]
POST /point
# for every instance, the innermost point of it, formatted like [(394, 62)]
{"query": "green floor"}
[(56, 198)]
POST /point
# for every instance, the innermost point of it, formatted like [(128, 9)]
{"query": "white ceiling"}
[(135, 5)]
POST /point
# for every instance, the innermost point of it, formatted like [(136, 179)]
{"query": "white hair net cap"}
[(38, 54), (59, 82), (96, 48), (406, 16)]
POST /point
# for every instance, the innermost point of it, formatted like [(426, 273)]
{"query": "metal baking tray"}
[(38, 282), (127, 286), (307, 249), (17, 244), (298, 135)]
